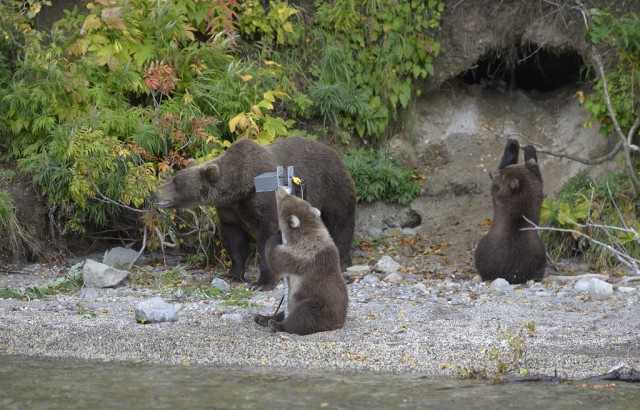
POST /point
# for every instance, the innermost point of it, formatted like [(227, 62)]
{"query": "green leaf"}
[(274, 125)]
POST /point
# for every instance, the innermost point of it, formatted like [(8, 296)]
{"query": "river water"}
[(37, 383)]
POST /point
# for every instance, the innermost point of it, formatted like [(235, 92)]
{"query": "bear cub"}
[(507, 251), (309, 258)]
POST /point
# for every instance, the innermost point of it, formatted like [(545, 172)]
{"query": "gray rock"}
[(359, 268), (597, 288), (386, 264), (500, 285), (121, 258), (370, 278), (393, 277), (155, 310), (626, 289), (600, 289), (99, 275), (232, 317), (363, 297), (219, 283), (583, 285), (458, 300)]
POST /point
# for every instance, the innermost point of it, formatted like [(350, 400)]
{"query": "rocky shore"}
[(406, 314)]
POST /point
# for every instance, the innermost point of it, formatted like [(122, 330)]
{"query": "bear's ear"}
[(514, 184), (210, 173), (294, 222), (530, 154), (191, 162), (315, 211)]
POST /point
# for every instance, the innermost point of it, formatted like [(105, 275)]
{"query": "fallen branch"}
[(577, 277), (621, 256)]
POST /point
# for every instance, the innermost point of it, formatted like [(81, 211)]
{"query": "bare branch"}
[(624, 258), (142, 248), (544, 150)]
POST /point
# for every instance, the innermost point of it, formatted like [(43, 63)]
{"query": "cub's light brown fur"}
[(318, 297)]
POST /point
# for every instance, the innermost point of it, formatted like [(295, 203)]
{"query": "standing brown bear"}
[(308, 257), (227, 183), (507, 251)]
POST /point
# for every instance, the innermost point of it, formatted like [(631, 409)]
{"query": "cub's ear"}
[(294, 222), (315, 211), (191, 162), (510, 155), (530, 154), (514, 184), (210, 173)]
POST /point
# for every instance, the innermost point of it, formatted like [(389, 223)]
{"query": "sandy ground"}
[(430, 318)]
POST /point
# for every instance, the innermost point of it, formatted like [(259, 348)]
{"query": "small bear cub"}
[(309, 258), (507, 251)]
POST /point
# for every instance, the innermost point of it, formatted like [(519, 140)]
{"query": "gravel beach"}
[(429, 316)]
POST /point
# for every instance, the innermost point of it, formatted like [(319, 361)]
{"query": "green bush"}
[(118, 94), (379, 177), (600, 207), (622, 36)]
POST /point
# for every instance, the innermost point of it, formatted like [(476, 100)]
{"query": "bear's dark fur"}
[(318, 295), (227, 183), (506, 251)]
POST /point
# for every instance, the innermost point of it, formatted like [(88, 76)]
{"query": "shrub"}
[(379, 177), (601, 206)]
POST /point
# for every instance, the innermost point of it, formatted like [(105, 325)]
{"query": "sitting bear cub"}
[(507, 251), (309, 258)]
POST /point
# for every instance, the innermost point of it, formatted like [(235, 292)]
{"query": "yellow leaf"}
[(246, 77), (272, 63), (256, 110), (580, 95), (187, 98), (237, 121)]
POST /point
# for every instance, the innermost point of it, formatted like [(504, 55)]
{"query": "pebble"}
[(370, 279), (232, 317)]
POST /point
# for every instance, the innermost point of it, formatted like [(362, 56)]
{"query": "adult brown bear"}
[(227, 183), (507, 251), (318, 296)]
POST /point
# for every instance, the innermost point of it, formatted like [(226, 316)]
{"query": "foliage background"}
[(116, 95)]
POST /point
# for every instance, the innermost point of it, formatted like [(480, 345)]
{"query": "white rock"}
[(219, 283), (155, 310), (387, 264), (232, 317), (99, 275), (626, 289), (600, 289), (500, 285), (359, 268), (597, 288), (370, 279), (393, 277)]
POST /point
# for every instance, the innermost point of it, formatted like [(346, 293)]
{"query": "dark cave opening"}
[(533, 69)]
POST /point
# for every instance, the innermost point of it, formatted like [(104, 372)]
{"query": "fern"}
[(378, 177)]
